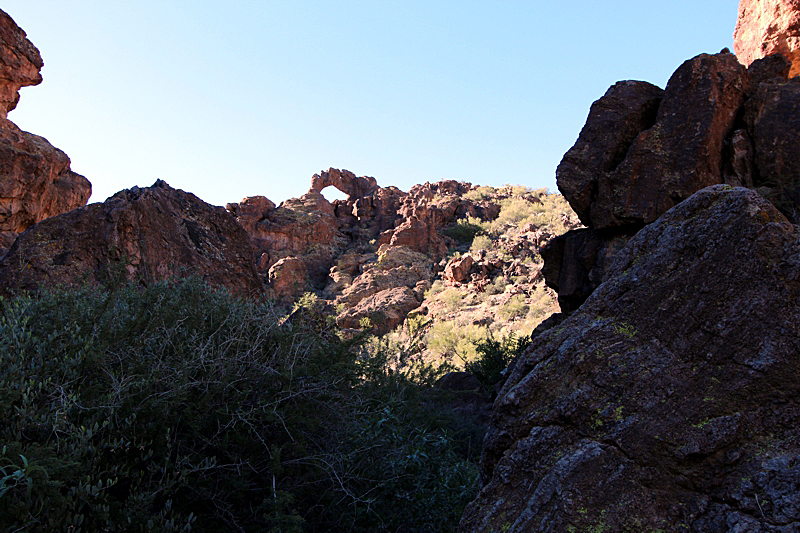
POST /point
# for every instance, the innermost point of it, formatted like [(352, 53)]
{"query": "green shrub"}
[(516, 307), (176, 407), (481, 242), (494, 357), (463, 231), (452, 298)]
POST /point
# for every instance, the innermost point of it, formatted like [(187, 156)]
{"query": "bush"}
[(494, 357), (176, 407), (463, 231)]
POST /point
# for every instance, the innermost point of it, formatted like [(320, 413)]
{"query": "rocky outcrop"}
[(615, 120), (353, 186), (668, 401), (139, 234), (716, 123), (36, 181), (772, 118), (383, 311), (768, 27), (20, 63)]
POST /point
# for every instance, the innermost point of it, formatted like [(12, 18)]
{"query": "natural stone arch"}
[(353, 186)]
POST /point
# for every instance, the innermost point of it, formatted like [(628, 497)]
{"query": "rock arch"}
[(353, 186)]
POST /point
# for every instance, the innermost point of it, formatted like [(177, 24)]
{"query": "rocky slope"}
[(36, 181)]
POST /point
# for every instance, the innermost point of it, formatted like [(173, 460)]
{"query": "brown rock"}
[(20, 63), (767, 27), (773, 119), (385, 310), (668, 400), (35, 178), (138, 234), (457, 269), (682, 152), (287, 278), (615, 120), (344, 180)]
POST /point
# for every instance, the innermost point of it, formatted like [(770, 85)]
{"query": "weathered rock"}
[(394, 266), (682, 152), (385, 310), (767, 27), (344, 180), (287, 278), (20, 63), (615, 120), (36, 181), (142, 234), (773, 119), (669, 400), (457, 269)]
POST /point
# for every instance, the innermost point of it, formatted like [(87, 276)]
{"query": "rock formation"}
[(138, 234), (35, 178), (716, 122), (668, 401), (768, 27)]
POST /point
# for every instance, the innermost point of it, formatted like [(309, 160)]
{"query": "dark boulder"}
[(670, 400)]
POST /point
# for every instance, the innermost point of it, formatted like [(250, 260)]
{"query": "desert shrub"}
[(452, 298), (516, 307), (177, 407), (481, 242), (479, 193), (454, 343), (463, 231), (493, 357), (436, 288)]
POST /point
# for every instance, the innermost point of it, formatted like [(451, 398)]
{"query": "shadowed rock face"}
[(768, 27), (143, 234), (36, 181), (670, 399)]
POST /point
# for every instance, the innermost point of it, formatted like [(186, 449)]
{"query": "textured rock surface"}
[(773, 120), (353, 186), (385, 310), (615, 120), (36, 181), (20, 63), (669, 400), (141, 234), (768, 27), (682, 152), (287, 278)]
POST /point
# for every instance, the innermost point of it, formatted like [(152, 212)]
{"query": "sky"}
[(244, 97)]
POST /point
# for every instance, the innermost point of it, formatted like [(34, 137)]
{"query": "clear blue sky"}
[(242, 98)]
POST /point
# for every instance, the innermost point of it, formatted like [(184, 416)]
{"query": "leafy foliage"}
[(175, 407), (494, 356)]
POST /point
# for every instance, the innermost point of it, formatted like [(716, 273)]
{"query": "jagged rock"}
[(142, 234), (394, 266), (615, 120), (668, 401), (767, 27), (385, 310), (773, 119), (287, 278), (36, 181), (457, 269), (682, 152), (20, 63), (344, 180)]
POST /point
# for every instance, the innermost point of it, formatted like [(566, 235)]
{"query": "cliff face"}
[(668, 399), (768, 27), (36, 181)]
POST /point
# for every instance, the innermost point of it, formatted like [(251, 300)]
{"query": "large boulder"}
[(615, 120), (682, 152), (669, 400), (353, 186), (772, 117), (141, 234), (767, 27), (385, 310), (36, 181)]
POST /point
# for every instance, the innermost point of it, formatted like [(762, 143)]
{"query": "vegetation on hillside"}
[(175, 407)]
